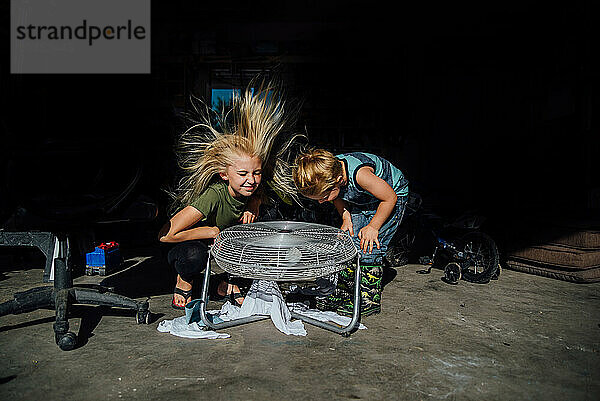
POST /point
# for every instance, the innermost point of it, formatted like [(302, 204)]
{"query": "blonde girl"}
[(222, 173)]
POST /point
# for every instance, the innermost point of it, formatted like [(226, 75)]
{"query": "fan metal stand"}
[(343, 330)]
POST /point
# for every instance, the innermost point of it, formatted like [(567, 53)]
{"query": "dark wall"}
[(482, 106)]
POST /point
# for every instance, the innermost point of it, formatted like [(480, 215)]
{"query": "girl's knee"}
[(195, 255)]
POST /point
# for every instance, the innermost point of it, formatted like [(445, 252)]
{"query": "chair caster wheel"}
[(143, 317), (452, 273), (66, 341)]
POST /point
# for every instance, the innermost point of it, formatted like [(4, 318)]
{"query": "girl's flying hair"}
[(253, 127)]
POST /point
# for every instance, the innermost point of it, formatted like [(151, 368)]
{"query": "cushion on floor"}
[(559, 256), (590, 275), (562, 248)]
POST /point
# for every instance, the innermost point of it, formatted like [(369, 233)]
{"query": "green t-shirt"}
[(219, 208)]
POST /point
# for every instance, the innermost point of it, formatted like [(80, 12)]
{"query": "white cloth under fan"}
[(263, 298), (181, 328)]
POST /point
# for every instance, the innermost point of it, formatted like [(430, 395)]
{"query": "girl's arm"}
[(252, 209), (177, 229), (366, 178)]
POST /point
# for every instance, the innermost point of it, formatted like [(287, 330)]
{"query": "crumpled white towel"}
[(263, 298), (179, 327)]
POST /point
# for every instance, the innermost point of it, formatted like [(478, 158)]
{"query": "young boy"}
[(370, 194)]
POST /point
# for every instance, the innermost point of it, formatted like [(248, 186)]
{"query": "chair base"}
[(63, 294), (62, 299)]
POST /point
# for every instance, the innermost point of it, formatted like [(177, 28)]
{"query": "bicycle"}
[(459, 247)]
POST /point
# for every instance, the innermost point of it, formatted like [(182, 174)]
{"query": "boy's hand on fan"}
[(347, 223), (368, 235)]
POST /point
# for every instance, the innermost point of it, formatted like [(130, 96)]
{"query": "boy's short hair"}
[(316, 172)]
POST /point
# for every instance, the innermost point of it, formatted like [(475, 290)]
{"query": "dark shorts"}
[(189, 258)]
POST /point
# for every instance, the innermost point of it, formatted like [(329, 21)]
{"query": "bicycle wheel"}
[(480, 261)]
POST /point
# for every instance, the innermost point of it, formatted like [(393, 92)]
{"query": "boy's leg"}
[(371, 264), (343, 293), (389, 228)]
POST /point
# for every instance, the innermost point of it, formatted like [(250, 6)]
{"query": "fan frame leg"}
[(343, 330), (354, 323), (204, 301)]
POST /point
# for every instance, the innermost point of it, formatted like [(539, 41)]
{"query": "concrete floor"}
[(522, 337)]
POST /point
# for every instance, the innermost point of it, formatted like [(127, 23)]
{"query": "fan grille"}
[(283, 250)]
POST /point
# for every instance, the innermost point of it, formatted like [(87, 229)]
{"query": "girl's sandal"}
[(184, 294)]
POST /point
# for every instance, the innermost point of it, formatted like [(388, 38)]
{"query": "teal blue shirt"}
[(354, 193)]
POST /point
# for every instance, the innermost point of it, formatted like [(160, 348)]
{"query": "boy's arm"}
[(340, 206), (379, 189), (177, 229)]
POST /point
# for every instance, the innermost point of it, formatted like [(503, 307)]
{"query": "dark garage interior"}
[(487, 108), (483, 107)]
